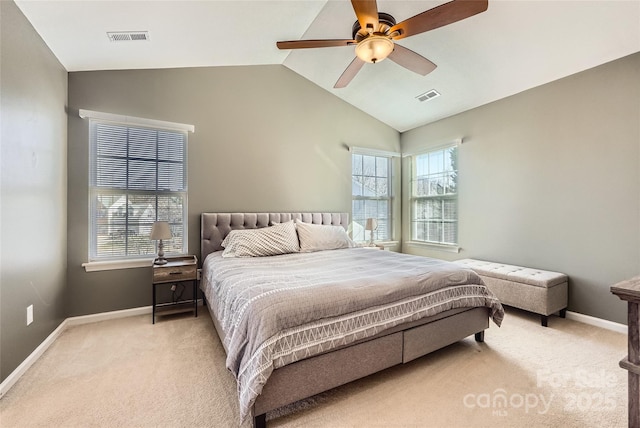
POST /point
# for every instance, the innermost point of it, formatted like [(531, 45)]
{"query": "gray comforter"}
[(277, 310)]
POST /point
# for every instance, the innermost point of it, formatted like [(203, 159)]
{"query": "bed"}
[(295, 323)]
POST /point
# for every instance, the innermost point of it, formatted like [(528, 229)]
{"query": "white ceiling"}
[(513, 46)]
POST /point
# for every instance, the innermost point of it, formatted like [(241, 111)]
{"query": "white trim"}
[(433, 246), (373, 152), (130, 120), (598, 322), (452, 143), (104, 316), (116, 264)]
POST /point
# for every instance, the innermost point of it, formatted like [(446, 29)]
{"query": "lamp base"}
[(160, 260)]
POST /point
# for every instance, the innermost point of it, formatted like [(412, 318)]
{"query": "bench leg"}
[(260, 421), (480, 336), (563, 313), (544, 320)]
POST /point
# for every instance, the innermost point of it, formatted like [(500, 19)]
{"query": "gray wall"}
[(266, 140), (33, 189), (550, 178)]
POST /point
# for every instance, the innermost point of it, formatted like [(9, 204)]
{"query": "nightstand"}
[(375, 247), (177, 270)]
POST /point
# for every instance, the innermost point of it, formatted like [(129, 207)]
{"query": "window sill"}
[(437, 247), (117, 264)]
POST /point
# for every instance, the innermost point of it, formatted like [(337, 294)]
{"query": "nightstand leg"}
[(195, 297), (153, 305)]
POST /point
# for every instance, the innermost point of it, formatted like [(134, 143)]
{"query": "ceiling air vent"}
[(429, 95), (127, 36)]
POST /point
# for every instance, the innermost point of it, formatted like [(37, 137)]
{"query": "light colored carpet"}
[(130, 373)]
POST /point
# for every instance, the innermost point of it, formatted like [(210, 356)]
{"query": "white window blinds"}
[(371, 195), (434, 207), (138, 175)]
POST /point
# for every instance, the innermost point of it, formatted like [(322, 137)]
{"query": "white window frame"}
[(446, 196), (106, 262), (357, 223)]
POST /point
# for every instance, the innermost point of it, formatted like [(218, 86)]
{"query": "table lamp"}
[(371, 225), (160, 231)]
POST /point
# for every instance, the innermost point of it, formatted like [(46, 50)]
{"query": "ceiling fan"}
[(375, 33)]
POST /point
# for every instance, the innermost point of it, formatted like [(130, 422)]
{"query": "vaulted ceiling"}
[(513, 46)]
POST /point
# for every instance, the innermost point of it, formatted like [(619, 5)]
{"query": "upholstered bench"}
[(539, 291)]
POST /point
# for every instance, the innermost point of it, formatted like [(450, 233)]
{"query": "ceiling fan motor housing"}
[(385, 22)]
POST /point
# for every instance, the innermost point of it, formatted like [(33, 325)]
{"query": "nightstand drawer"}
[(175, 273)]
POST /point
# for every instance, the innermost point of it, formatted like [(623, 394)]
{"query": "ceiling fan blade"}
[(303, 44), (439, 16), (349, 73), (411, 60), (367, 13)]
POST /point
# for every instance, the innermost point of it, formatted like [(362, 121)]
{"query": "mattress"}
[(276, 310)]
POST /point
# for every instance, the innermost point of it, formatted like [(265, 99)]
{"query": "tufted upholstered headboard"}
[(214, 227)]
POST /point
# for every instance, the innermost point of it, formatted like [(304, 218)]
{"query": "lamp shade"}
[(372, 224), (160, 230)]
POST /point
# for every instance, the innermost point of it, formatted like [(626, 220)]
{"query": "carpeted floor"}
[(130, 373)]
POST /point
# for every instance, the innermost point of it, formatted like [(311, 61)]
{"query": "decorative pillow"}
[(318, 237), (267, 241)]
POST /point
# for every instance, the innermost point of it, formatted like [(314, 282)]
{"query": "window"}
[(434, 202), (137, 175), (371, 195)]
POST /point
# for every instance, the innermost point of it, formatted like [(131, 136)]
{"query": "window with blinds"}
[(434, 202), (371, 195), (138, 175)]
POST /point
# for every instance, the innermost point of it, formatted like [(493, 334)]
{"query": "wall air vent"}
[(429, 95), (127, 36)]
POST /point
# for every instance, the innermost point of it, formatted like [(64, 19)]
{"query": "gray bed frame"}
[(320, 373)]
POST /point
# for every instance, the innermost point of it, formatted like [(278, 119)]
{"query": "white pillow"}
[(318, 237), (267, 241)]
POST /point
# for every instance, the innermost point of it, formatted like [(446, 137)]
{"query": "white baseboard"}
[(598, 322), (104, 316)]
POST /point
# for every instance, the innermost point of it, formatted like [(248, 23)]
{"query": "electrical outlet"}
[(29, 314)]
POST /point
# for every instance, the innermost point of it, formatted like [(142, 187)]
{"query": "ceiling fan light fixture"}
[(374, 48), (375, 33)]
